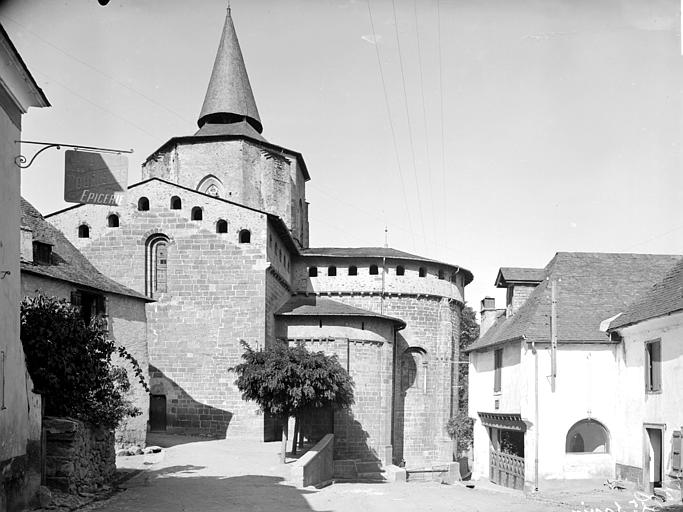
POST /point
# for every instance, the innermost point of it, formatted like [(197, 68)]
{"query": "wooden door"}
[(157, 413)]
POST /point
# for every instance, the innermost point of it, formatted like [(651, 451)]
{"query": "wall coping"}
[(309, 468)]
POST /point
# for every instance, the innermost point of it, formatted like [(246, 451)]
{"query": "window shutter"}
[(676, 451), (657, 366)]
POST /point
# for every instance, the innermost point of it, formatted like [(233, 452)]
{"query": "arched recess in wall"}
[(84, 231), (414, 368), (156, 265), (587, 436), (211, 186)]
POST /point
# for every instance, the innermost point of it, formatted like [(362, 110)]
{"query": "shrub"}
[(71, 365), (459, 427)]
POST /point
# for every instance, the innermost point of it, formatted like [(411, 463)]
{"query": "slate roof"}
[(509, 275), (376, 252), (661, 299), (590, 288), (241, 128), (68, 263), (317, 306)]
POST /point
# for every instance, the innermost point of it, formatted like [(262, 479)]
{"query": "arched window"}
[(423, 272), (143, 204), (441, 274), (176, 203), (222, 226), (157, 265), (83, 231), (587, 436), (400, 271), (374, 270), (211, 186), (353, 270), (113, 221), (414, 369), (312, 271), (196, 213), (332, 271), (245, 236)]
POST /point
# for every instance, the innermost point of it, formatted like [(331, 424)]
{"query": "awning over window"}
[(504, 421)]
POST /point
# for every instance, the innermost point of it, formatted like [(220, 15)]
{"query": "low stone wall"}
[(316, 466), (78, 456)]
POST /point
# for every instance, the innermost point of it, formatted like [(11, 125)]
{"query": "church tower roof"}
[(229, 100)]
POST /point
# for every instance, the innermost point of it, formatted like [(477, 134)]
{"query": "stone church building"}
[(217, 234)]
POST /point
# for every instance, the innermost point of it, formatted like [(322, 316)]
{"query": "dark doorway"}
[(653, 466), (157, 413)]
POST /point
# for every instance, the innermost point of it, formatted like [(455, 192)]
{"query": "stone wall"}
[(216, 296), (78, 456)]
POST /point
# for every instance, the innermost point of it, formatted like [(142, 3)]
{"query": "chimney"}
[(26, 244), (488, 313)]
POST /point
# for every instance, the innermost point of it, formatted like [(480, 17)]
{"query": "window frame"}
[(653, 366), (498, 370)]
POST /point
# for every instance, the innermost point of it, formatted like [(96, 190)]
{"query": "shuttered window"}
[(653, 366), (676, 451), (497, 369)]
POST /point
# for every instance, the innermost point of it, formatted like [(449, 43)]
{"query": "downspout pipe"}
[(536, 434)]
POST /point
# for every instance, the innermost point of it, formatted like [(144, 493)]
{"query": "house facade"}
[(217, 233), (651, 379), (556, 403), (51, 265), (19, 406)]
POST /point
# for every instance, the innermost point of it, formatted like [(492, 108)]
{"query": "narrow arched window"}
[(143, 204), (222, 226), (400, 271), (422, 272), (245, 236), (157, 265), (312, 271), (113, 221), (332, 271), (374, 270), (196, 213), (83, 231), (587, 436), (441, 274), (353, 270), (301, 219), (176, 203)]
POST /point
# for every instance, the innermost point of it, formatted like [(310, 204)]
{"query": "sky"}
[(483, 133)]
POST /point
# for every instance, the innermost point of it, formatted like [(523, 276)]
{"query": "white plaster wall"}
[(638, 407)]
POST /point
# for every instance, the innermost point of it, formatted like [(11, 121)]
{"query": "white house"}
[(566, 422), (651, 384)]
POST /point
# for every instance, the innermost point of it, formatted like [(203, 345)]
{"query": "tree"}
[(286, 381), (70, 363), (459, 427)]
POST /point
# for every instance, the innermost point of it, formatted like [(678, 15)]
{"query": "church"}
[(217, 234)]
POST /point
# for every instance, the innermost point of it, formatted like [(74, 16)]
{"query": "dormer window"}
[(42, 253)]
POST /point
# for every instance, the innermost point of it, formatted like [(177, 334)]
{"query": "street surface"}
[(237, 475)]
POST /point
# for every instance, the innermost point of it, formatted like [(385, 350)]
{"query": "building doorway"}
[(653, 466), (157, 413)]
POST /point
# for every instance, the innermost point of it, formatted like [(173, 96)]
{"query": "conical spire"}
[(229, 98)]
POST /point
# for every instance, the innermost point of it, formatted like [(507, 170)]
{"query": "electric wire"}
[(410, 128), (424, 119), (443, 132), (391, 125)]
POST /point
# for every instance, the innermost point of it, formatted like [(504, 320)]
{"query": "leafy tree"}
[(286, 381), (71, 365), (459, 427)]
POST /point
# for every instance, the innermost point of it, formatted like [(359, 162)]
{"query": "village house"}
[(19, 406), (218, 234), (562, 407), (650, 357), (51, 265)]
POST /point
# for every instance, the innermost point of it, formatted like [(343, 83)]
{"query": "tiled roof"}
[(663, 298), (376, 252), (510, 275), (68, 264), (590, 287), (316, 306)]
